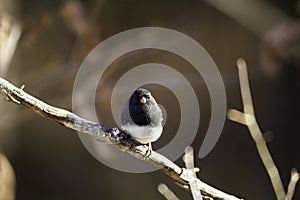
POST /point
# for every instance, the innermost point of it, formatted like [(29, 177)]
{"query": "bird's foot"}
[(149, 151), (145, 150)]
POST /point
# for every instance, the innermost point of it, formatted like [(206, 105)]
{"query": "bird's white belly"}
[(143, 134)]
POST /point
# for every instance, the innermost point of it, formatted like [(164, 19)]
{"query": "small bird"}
[(142, 117)]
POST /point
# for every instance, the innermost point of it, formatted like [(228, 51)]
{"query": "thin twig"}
[(7, 179), (248, 118), (291, 188), (189, 163), (113, 136), (166, 192), (10, 32)]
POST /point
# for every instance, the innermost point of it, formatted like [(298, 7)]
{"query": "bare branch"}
[(113, 136), (166, 192), (7, 179), (291, 188), (248, 118), (189, 163), (10, 32)]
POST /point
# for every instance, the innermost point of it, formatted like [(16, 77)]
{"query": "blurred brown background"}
[(50, 161)]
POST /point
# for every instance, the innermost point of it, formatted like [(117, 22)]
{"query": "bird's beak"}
[(143, 100)]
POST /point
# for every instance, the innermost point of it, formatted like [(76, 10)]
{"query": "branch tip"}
[(166, 192), (248, 118), (241, 63)]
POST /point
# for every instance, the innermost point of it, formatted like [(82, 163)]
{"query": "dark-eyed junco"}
[(142, 117)]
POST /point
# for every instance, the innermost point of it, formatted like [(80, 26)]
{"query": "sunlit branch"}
[(189, 163), (291, 188), (248, 118), (113, 136), (10, 32), (7, 179), (166, 192)]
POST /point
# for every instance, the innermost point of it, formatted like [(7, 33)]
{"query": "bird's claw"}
[(145, 150), (148, 152)]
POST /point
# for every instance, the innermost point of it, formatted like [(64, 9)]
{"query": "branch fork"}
[(248, 119)]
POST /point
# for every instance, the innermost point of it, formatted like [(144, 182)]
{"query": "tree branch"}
[(248, 118), (166, 192), (189, 163), (291, 188), (114, 136), (7, 179)]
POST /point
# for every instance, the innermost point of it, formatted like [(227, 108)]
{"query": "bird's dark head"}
[(141, 103), (142, 97)]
